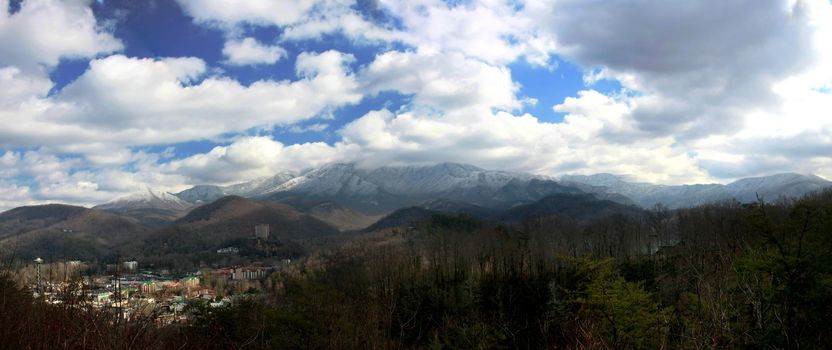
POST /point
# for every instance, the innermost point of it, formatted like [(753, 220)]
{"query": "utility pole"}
[(117, 287)]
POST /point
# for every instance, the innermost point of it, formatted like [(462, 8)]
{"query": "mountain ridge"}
[(64, 231), (152, 207), (746, 190), (382, 190)]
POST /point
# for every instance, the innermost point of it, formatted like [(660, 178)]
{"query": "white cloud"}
[(257, 12), (446, 82), (19, 88), (300, 20), (513, 142), (494, 140), (249, 51), (42, 32), (77, 180), (251, 157), (699, 67), (738, 84), (122, 101), (340, 18), (497, 32), (13, 195), (317, 127)]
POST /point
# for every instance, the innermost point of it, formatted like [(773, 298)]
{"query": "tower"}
[(38, 261)]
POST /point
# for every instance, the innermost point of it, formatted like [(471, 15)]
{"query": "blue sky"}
[(104, 98)]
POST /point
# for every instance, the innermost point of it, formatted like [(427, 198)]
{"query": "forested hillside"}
[(716, 276)]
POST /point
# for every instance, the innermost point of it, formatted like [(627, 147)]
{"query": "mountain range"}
[(645, 195), (382, 190), (351, 197), (340, 197)]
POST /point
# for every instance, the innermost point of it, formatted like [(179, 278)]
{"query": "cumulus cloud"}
[(12, 195), (300, 20), (445, 82), (257, 12), (248, 51), (503, 140), (39, 176), (20, 88), (124, 101), (340, 18), (699, 67), (252, 157), (497, 140), (497, 32), (42, 32), (740, 84)]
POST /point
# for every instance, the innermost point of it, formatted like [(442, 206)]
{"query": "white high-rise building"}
[(261, 231)]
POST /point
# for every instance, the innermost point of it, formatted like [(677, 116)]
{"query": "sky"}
[(103, 98)]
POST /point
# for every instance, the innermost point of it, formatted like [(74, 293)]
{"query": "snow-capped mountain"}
[(147, 199), (772, 187), (384, 189), (441, 178), (201, 194), (332, 180), (154, 208), (260, 186), (745, 190), (348, 179), (208, 193)]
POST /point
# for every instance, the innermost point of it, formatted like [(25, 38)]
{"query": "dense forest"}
[(725, 275)]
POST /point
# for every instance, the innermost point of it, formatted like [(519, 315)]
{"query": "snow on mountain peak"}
[(146, 199), (351, 183), (439, 178)]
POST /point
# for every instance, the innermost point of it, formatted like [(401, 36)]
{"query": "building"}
[(101, 297), (131, 265), (261, 231), (229, 250), (248, 273), (170, 284), (190, 282), (206, 294), (149, 287)]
